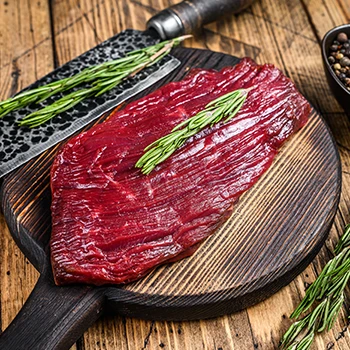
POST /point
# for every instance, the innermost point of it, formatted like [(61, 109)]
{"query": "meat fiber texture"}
[(111, 224)]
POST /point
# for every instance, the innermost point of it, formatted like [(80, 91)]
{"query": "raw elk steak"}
[(112, 224)]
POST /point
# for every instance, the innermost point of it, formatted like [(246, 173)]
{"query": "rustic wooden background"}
[(38, 35)]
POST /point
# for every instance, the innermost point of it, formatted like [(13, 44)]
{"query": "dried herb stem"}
[(101, 78), (327, 292), (224, 107)]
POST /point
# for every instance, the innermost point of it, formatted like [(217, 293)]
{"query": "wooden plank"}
[(123, 333), (73, 33), (324, 15), (109, 18), (25, 55), (249, 34), (292, 33), (24, 36)]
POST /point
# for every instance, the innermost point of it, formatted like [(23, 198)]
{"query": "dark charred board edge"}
[(194, 307), (149, 306), (188, 57), (154, 308), (186, 307)]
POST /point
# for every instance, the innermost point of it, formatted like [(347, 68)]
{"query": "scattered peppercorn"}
[(345, 61), (334, 47), (339, 58)]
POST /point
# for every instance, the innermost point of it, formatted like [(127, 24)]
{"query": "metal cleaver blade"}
[(19, 144)]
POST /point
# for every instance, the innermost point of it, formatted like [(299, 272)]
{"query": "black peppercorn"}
[(334, 48), (344, 61), (342, 76), (339, 58)]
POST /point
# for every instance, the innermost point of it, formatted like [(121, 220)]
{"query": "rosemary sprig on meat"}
[(328, 291), (224, 107), (101, 78)]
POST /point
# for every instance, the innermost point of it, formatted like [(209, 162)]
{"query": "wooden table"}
[(38, 35)]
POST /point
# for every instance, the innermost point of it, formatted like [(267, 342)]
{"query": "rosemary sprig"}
[(102, 78), (328, 290), (224, 107)]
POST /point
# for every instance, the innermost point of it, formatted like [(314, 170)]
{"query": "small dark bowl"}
[(337, 87)]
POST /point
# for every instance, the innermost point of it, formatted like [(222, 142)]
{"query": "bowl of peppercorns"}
[(336, 60)]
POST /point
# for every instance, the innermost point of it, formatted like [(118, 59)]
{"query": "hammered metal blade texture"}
[(19, 144)]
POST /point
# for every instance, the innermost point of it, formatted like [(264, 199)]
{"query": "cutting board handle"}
[(189, 15), (53, 317)]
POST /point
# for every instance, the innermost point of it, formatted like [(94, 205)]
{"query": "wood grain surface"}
[(37, 35), (274, 232)]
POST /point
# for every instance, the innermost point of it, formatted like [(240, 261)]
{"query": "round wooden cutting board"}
[(275, 231)]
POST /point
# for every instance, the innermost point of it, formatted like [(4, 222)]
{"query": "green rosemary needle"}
[(328, 290), (102, 78), (224, 107)]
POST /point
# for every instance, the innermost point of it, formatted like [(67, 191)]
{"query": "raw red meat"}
[(111, 224)]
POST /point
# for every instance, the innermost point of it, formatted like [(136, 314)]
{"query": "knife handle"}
[(189, 15)]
